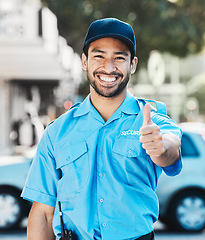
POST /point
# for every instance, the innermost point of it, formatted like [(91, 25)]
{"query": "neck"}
[(107, 106)]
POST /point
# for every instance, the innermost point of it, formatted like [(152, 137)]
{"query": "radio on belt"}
[(65, 233)]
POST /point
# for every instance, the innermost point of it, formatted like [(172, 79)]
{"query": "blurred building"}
[(38, 71), (172, 80)]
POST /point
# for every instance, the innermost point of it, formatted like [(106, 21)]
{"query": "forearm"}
[(40, 223), (171, 144)]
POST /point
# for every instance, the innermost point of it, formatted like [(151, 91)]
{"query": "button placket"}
[(104, 224), (100, 175), (101, 149)]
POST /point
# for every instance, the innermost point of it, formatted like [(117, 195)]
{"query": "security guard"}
[(102, 159)]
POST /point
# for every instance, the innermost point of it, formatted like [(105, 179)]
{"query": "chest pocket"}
[(130, 161), (129, 147), (73, 162)]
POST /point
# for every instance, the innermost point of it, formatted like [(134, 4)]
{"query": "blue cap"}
[(113, 28)]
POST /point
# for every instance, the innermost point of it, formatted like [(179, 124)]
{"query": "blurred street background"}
[(41, 78)]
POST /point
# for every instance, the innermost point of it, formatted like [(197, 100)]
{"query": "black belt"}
[(149, 236)]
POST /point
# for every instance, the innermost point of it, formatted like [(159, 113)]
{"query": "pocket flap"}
[(128, 147), (70, 153)]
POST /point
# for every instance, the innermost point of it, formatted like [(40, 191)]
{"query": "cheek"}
[(125, 69), (93, 67)]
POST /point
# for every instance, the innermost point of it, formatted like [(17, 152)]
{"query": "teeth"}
[(108, 79)]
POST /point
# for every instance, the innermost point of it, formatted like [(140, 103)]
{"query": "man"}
[(102, 159)]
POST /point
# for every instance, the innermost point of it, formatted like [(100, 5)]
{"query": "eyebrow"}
[(97, 51), (122, 53), (116, 53)]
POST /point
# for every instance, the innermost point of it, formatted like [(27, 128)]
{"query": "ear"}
[(134, 65), (84, 62)]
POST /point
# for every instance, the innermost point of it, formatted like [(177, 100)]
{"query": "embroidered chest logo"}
[(130, 132)]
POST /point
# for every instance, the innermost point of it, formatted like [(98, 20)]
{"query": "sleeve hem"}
[(175, 168), (34, 195)]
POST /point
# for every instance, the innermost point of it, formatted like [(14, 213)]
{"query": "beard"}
[(109, 91)]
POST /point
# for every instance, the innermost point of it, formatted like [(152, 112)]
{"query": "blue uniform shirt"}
[(99, 171)]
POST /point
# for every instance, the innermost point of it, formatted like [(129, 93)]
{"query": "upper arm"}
[(40, 209), (41, 184), (40, 222)]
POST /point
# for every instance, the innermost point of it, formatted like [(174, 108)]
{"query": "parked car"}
[(13, 173), (182, 198), (196, 127)]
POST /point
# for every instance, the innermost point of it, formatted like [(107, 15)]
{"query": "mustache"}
[(108, 74)]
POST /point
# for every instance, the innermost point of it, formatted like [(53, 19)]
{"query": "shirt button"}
[(100, 175), (101, 149), (104, 224), (130, 151), (101, 200)]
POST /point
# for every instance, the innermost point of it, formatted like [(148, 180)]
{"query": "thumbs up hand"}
[(151, 137), (147, 115)]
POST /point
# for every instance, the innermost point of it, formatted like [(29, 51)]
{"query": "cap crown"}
[(114, 28)]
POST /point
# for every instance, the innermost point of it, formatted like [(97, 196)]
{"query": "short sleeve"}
[(41, 183), (166, 124)]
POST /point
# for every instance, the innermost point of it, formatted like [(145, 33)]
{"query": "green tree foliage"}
[(176, 27)]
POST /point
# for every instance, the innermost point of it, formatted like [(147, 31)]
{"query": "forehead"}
[(109, 44)]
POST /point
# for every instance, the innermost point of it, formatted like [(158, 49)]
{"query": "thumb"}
[(147, 115)]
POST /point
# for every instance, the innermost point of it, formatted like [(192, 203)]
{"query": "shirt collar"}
[(84, 108), (129, 106)]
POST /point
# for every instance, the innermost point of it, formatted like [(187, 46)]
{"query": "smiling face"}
[(108, 66)]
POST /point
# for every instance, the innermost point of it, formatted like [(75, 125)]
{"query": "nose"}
[(109, 66)]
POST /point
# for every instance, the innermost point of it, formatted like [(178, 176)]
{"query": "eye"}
[(120, 58), (98, 56)]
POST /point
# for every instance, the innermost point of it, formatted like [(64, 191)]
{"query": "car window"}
[(188, 147)]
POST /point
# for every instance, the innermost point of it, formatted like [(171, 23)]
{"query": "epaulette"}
[(159, 107)]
